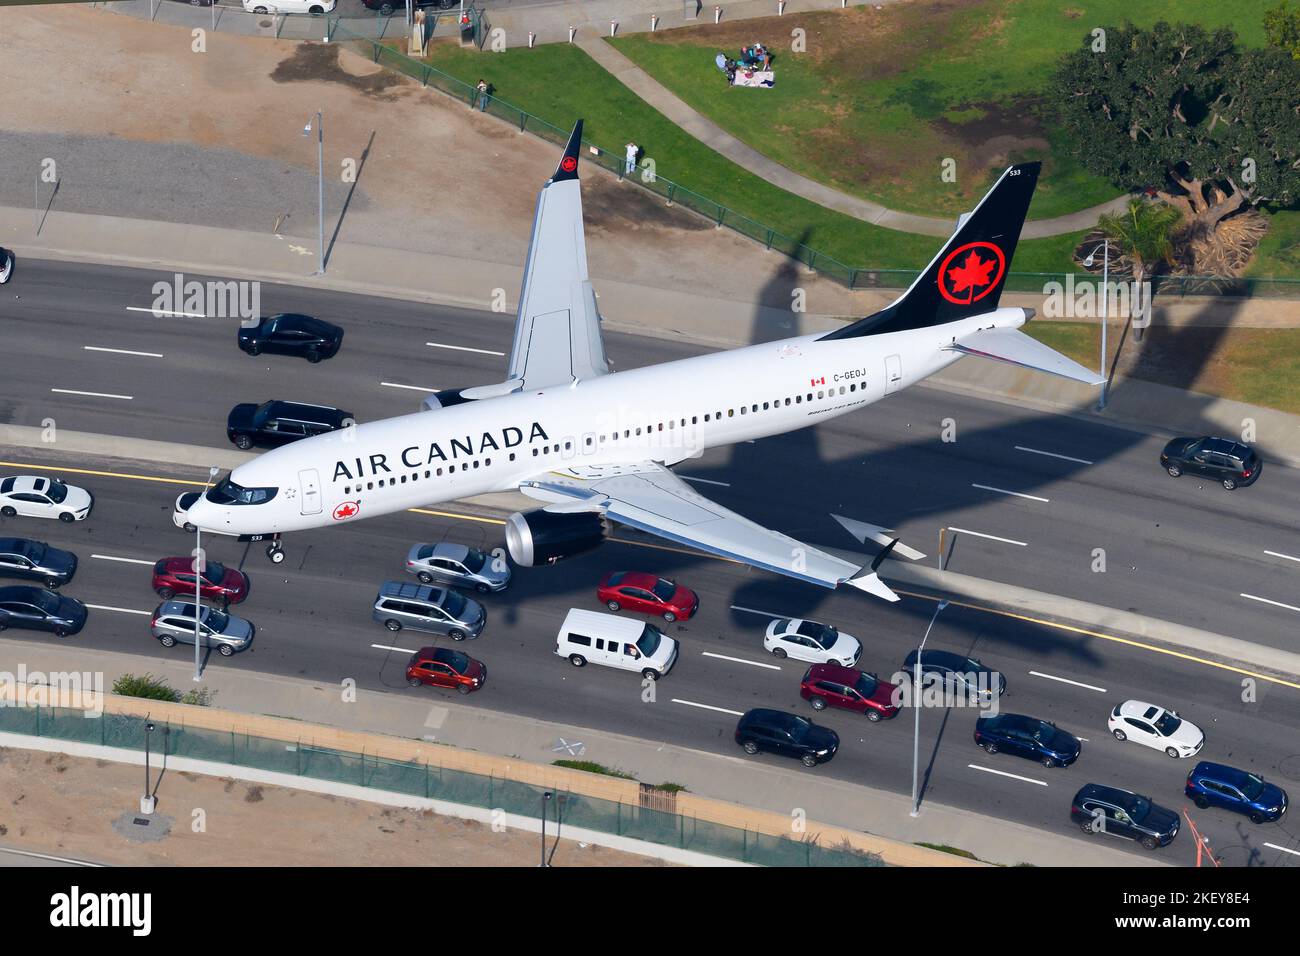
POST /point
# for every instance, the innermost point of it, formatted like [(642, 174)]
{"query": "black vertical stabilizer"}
[(568, 168), (967, 275)]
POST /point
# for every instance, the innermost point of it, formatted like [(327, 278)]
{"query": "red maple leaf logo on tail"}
[(971, 274)]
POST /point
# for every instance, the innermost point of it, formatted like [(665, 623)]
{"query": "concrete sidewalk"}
[(722, 777)]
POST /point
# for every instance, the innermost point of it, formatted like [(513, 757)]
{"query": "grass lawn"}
[(882, 97), (1279, 251), (1259, 366), (560, 83)]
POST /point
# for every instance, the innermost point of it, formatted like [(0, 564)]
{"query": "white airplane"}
[(595, 447)]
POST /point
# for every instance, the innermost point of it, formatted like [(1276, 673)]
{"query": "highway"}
[(1180, 550)]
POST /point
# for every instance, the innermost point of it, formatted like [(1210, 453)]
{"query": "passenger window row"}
[(614, 436)]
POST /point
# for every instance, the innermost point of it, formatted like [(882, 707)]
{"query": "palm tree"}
[(1144, 233)]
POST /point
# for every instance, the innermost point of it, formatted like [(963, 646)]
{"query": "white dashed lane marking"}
[(1066, 680), (1003, 773)]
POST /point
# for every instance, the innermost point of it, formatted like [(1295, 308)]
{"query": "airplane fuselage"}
[(663, 413)]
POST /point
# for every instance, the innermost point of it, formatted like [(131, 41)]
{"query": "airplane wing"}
[(649, 497), (557, 332)]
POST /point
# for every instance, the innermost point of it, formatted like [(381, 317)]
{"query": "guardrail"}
[(645, 820)]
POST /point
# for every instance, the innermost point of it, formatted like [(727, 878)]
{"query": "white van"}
[(590, 637)]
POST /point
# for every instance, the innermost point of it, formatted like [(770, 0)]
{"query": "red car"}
[(830, 685), (443, 667), (647, 593), (172, 576)]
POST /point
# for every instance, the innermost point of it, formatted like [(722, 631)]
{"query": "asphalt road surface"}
[(1194, 548)]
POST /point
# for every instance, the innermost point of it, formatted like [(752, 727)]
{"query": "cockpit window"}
[(226, 492)]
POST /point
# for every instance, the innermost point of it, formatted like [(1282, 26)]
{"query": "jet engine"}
[(544, 537)]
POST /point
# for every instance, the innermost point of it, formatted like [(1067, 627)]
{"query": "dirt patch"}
[(998, 131), (72, 814), (611, 207), (320, 61)]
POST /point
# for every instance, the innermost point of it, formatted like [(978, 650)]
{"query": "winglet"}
[(871, 583), (568, 168)]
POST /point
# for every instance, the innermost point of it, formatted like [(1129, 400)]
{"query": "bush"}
[(146, 686), (155, 688), (592, 767)]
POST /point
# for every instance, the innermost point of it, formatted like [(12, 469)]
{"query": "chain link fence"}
[(419, 779)]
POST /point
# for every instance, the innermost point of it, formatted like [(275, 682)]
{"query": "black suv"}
[(36, 561), (1027, 737), (278, 423), (956, 674), (787, 734), (1230, 463), (39, 610), (386, 7), (1100, 809), (291, 334)]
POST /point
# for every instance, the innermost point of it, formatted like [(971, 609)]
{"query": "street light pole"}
[(916, 706), (546, 799), (1105, 317), (147, 801), (320, 185), (198, 581), (1105, 309)]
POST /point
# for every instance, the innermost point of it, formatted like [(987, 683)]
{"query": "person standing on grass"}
[(482, 88), (629, 166)]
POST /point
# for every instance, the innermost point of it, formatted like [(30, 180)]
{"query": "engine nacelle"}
[(544, 537)]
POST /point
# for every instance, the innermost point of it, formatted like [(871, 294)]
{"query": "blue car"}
[(1214, 785), (1027, 737)]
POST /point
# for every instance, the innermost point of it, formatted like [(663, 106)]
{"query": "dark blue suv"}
[(1027, 737), (1214, 785)]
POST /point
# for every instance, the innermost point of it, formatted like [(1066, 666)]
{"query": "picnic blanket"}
[(755, 78)]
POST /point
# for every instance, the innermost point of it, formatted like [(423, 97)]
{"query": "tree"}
[(1213, 128), (1282, 28), (1144, 234)]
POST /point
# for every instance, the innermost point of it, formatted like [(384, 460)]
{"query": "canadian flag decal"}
[(817, 381)]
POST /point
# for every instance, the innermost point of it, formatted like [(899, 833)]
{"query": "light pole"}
[(320, 184), (199, 566), (916, 706), (147, 801), (546, 799), (1105, 309)]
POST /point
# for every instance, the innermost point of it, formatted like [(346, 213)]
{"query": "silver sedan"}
[(459, 565)]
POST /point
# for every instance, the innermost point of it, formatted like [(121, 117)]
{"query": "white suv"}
[(314, 7)]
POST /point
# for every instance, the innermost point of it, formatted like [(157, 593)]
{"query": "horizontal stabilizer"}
[(865, 532), (871, 583), (1017, 348)]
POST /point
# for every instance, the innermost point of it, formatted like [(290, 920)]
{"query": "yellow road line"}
[(100, 474), (1074, 629), (457, 516)]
